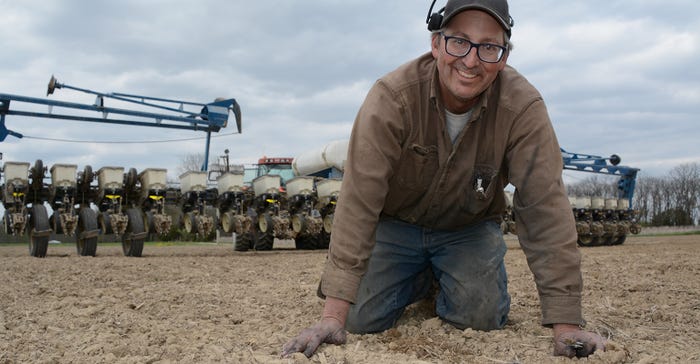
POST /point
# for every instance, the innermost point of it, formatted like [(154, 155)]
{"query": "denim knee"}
[(473, 279), (480, 306)]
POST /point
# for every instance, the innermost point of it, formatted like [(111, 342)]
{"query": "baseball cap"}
[(496, 8)]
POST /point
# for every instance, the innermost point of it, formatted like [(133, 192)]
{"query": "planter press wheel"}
[(133, 247), (619, 240), (87, 221), (190, 223), (131, 179), (87, 176), (55, 222), (149, 226), (325, 239), (264, 241), (39, 221), (308, 242), (103, 221), (227, 222), (264, 236), (6, 223), (587, 240), (37, 175)]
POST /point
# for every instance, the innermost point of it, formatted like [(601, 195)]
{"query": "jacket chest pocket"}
[(479, 189), (418, 167)]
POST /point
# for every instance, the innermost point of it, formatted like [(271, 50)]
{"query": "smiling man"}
[(432, 148)]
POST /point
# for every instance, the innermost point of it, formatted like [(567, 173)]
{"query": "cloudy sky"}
[(618, 76)]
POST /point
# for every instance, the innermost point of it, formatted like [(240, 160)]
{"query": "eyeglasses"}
[(460, 47)]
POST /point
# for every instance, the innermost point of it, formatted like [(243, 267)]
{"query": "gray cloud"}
[(617, 77)]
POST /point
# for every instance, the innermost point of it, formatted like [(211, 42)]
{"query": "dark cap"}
[(496, 8)]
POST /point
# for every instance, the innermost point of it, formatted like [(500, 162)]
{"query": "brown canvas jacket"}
[(402, 164)]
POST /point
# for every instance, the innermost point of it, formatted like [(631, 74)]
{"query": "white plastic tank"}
[(152, 179), (583, 202), (16, 175), (597, 203), (611, 204), (330, 155), (300, 186), (110, 177), (230, 182), (573, 201), (269, 183), (193, 181), (16, 172), (623, 204), (328, 187), (64, 175)]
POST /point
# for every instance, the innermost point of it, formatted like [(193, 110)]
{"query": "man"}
[(432, 148)]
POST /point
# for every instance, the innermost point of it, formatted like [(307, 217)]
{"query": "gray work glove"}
[(328, 330), (572, 341)]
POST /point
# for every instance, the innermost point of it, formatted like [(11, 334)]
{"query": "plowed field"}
[(207, 303)]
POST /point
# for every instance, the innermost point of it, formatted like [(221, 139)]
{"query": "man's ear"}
[(502, 64), (435, 44)]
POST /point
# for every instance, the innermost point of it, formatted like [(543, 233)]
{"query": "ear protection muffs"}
[(434, 20)]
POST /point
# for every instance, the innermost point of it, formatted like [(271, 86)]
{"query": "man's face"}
[(463, 79)]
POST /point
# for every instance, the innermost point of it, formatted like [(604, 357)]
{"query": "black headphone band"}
[(434, 20)]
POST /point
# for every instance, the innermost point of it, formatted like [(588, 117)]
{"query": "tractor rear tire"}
[(39, 221), (133, 247), (87, 221)]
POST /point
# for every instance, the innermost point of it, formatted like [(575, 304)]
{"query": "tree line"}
[(672, 200)]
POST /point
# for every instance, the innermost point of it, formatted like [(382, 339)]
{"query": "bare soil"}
[(207, 303)]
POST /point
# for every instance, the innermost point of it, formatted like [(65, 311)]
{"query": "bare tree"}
[(190, 162), (599, 186), (685, 189), (642, 199)]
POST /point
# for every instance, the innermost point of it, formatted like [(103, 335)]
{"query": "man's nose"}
[(471, 59)]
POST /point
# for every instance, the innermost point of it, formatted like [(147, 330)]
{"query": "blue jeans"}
[(468, 265)]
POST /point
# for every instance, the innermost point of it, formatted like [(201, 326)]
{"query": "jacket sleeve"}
[(545, 223), (373, 153)]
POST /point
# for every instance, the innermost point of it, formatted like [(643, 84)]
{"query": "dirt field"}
[(207, 303)]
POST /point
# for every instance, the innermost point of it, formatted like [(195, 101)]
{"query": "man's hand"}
[(328, 330), (571, 340)]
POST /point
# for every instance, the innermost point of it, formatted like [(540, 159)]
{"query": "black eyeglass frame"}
[(474, 45)]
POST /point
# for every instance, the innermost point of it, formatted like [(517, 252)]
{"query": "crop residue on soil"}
[(207, 303)]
